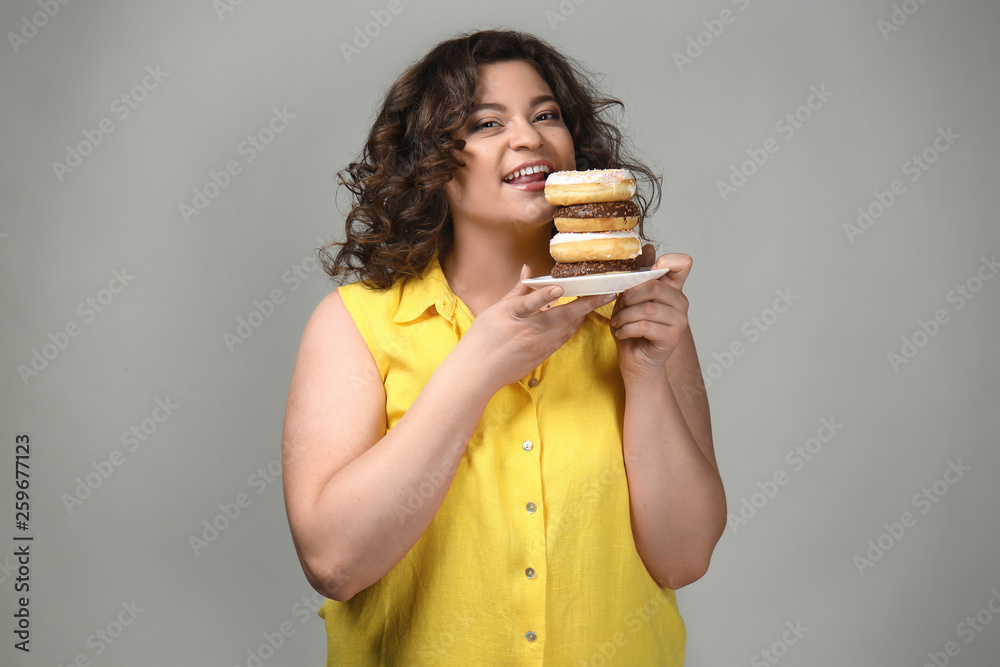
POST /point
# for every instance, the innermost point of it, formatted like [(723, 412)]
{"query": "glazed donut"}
[(597, 217), (575, 269), (565, 188), (587, 247)]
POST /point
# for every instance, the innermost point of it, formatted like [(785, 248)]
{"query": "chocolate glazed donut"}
[(597, 217), (592, 268)]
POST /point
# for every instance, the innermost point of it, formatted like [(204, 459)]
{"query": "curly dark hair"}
[(399, 218)]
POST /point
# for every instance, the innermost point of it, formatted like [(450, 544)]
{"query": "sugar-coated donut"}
[(585, 247), (564, 188), (597, 217)]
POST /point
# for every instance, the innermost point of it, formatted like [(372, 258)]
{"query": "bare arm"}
[(346, 479), (677, 500), (678, 503)]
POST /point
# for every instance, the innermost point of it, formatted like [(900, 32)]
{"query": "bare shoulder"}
[(336, 401)]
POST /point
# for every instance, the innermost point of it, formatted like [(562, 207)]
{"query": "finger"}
[(525, 300), (580, 306), (649, 311), (658, 290), (526, 305), (679, 265), (657, 333), (576, 310), (520, 289)]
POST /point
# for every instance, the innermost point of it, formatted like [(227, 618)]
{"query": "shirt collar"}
[(419, 294), (432, 289)]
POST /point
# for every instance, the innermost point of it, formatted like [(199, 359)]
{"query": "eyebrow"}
[(494, 106)]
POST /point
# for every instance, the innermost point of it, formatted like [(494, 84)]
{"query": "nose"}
[(524, 136)]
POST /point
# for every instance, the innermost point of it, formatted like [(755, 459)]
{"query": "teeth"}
[(528, 170)]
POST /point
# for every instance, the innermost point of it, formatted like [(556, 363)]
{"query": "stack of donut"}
[(595, 222)]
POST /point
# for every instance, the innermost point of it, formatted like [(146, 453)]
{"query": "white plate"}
[(607, 283)]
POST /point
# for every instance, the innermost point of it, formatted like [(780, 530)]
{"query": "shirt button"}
[(531, 508), (530, 573), (526, 445), (530, 636), (532, 382)]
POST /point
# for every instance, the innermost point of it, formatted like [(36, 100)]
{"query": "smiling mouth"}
[(533, 174)]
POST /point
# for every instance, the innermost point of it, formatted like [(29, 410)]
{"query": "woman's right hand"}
[(515, 335)]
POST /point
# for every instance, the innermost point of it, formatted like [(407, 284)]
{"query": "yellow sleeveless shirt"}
[(530, 559)]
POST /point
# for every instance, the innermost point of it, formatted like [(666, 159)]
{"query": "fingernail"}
[(524, 269), (608, 298)]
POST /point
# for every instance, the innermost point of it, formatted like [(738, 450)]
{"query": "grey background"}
[(162, 336)]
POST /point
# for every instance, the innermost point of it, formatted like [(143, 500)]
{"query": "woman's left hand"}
[(649, 319)]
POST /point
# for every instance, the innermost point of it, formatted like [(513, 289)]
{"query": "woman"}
[(477, 473)]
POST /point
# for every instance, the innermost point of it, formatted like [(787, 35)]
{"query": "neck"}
[(484, 265)]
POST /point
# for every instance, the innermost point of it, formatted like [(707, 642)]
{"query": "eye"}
[(548, 115), (485, 125)]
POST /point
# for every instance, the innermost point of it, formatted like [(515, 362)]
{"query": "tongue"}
[(530, 178)]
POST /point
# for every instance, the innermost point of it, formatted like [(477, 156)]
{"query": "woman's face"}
[(515, 123)]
